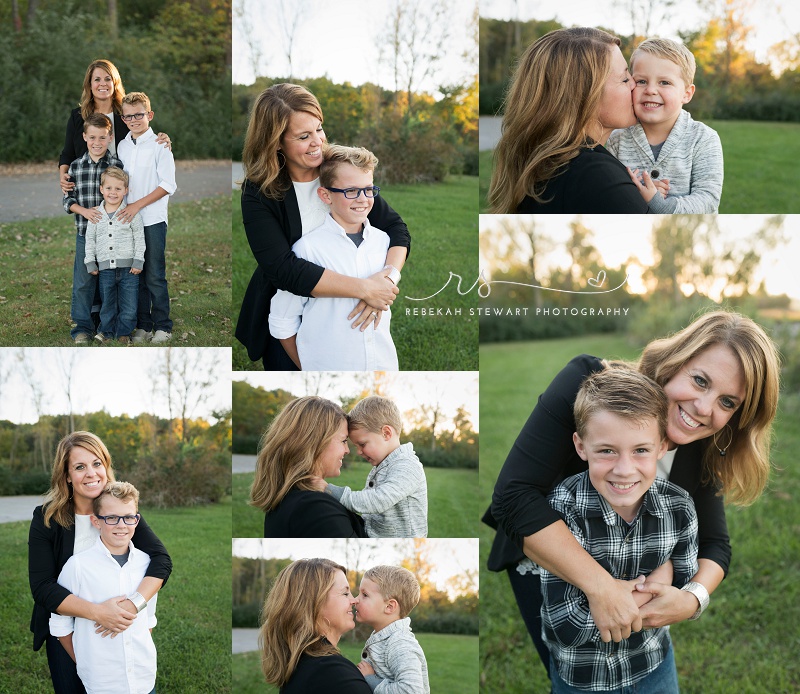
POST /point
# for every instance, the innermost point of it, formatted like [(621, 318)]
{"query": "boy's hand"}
[(365, 668), (90, 213), (94, 272), (67, 186), (646, 186), (667, 606), (129, 212), (364, 316), (135, 271), (662, 186)]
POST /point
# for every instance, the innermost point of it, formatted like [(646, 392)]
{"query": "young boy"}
[(83, 201), (315, 332), (682, 156), (632, 522), (392, 658), (116, 251), (152, 171), (394, 501), (111, 566)]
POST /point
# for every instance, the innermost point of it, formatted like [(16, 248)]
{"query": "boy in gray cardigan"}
[(681, 156), (392, 659), (115, 251), (394, 501)]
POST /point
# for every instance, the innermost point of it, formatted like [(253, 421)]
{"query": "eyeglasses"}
[(114, 520), (131, 116), (353, 193)]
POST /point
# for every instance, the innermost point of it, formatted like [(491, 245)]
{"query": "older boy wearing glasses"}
[(111, 567), (314, 331)]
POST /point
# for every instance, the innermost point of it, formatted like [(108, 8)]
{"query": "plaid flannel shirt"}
[(665, 528), (86, 193)]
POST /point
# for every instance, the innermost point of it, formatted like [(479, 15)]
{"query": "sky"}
[(408, 389), (772, 20), (618, 237), (449, 557), (119, 381), (338, 40)]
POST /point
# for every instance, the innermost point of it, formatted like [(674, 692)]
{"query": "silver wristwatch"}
[(700, 592), (138, 601)]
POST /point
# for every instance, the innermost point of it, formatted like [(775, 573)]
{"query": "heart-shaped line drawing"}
[(598, 281)]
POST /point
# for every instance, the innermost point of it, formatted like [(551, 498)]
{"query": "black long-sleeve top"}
[(544, 454), (594, 182), (305, 513), (48, 551), (272, 227), (75, 145), (332, 674)]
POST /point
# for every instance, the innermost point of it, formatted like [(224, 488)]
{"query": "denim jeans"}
[(84, 288), (62, 668), (663, 680), (153, 311), (119, 289)]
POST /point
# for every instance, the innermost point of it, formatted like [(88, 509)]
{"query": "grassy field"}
[(443, 222), (452, 501), (36, 282), (748, 640), (452, 664), (193, 635), (757, 155)]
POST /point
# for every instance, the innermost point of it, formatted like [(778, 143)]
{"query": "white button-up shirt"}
[(325, 340), (125, 664), (150, 166)]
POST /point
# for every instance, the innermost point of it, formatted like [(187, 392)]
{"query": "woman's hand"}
[(113, 616), (646, 186), (365, 668), (667, 606), (67, 186), (379, 291), (614, 611), (364, 316), (163, 139)]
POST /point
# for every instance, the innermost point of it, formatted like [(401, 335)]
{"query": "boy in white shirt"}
[(112, 567), (152, 171), (314, 331)]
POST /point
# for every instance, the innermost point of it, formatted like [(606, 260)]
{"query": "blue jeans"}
[(62, 668), (119, 289), (663, 680), (84, 288), (153, 311)]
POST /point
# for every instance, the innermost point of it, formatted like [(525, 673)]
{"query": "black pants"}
[(62, 669), (528, 593), (275, 357)]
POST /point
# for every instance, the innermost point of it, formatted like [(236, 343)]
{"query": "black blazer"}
[(48, 551), (332, 674), (272, 227), (312, 514), (594, 182), (75, 145), (543, 455)]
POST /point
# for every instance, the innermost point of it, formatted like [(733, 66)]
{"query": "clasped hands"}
[(380, 294)]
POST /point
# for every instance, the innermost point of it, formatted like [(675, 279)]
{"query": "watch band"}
[(394, 275), (138, 601), (700, 592)]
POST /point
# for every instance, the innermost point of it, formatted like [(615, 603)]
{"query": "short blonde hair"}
[(137, 98), (124, 491), (333, 156), (373, 413), (114, 172), (396, 583), (670, 50), (98, 120)]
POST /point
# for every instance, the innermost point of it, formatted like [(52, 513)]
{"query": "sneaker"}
[(101, 338), (82, 339), (139, 335), (125, 340), (161, 336)]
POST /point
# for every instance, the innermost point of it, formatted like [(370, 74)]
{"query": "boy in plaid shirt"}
[(83, 201), (633, 523)]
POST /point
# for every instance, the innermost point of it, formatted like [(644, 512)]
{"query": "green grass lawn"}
[(452, 501), (748, 640), (443, 222), (36, 283), (193, 636), (452, 664), (757, 156)]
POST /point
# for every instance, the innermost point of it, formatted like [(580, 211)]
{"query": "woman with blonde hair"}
[(571, 89), (306, 441), (281, 157), (307, 611), (721, 378), (61, 527)]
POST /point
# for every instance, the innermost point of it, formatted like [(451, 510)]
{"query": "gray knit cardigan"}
[(398, 660), (111, 244)]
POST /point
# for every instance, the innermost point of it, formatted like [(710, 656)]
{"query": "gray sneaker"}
[(83, 339), (139, 335), (100, 338), (161, 336)]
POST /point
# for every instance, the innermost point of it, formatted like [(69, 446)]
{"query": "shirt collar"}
[(335, 227), (144, 137), (403, 624)]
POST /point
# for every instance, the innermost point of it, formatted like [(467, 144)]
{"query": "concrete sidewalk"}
[(243, 463), (18, 508), (244, 640)]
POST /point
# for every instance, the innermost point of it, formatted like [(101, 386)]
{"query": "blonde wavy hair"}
[(744, 471), (269, 120), (291, 615), (291, 447), (87, 99), (553, 99), (58, 504)]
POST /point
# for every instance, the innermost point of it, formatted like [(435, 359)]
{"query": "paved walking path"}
[(18, 508), (488, 132), (244, 640), (243, 463)]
